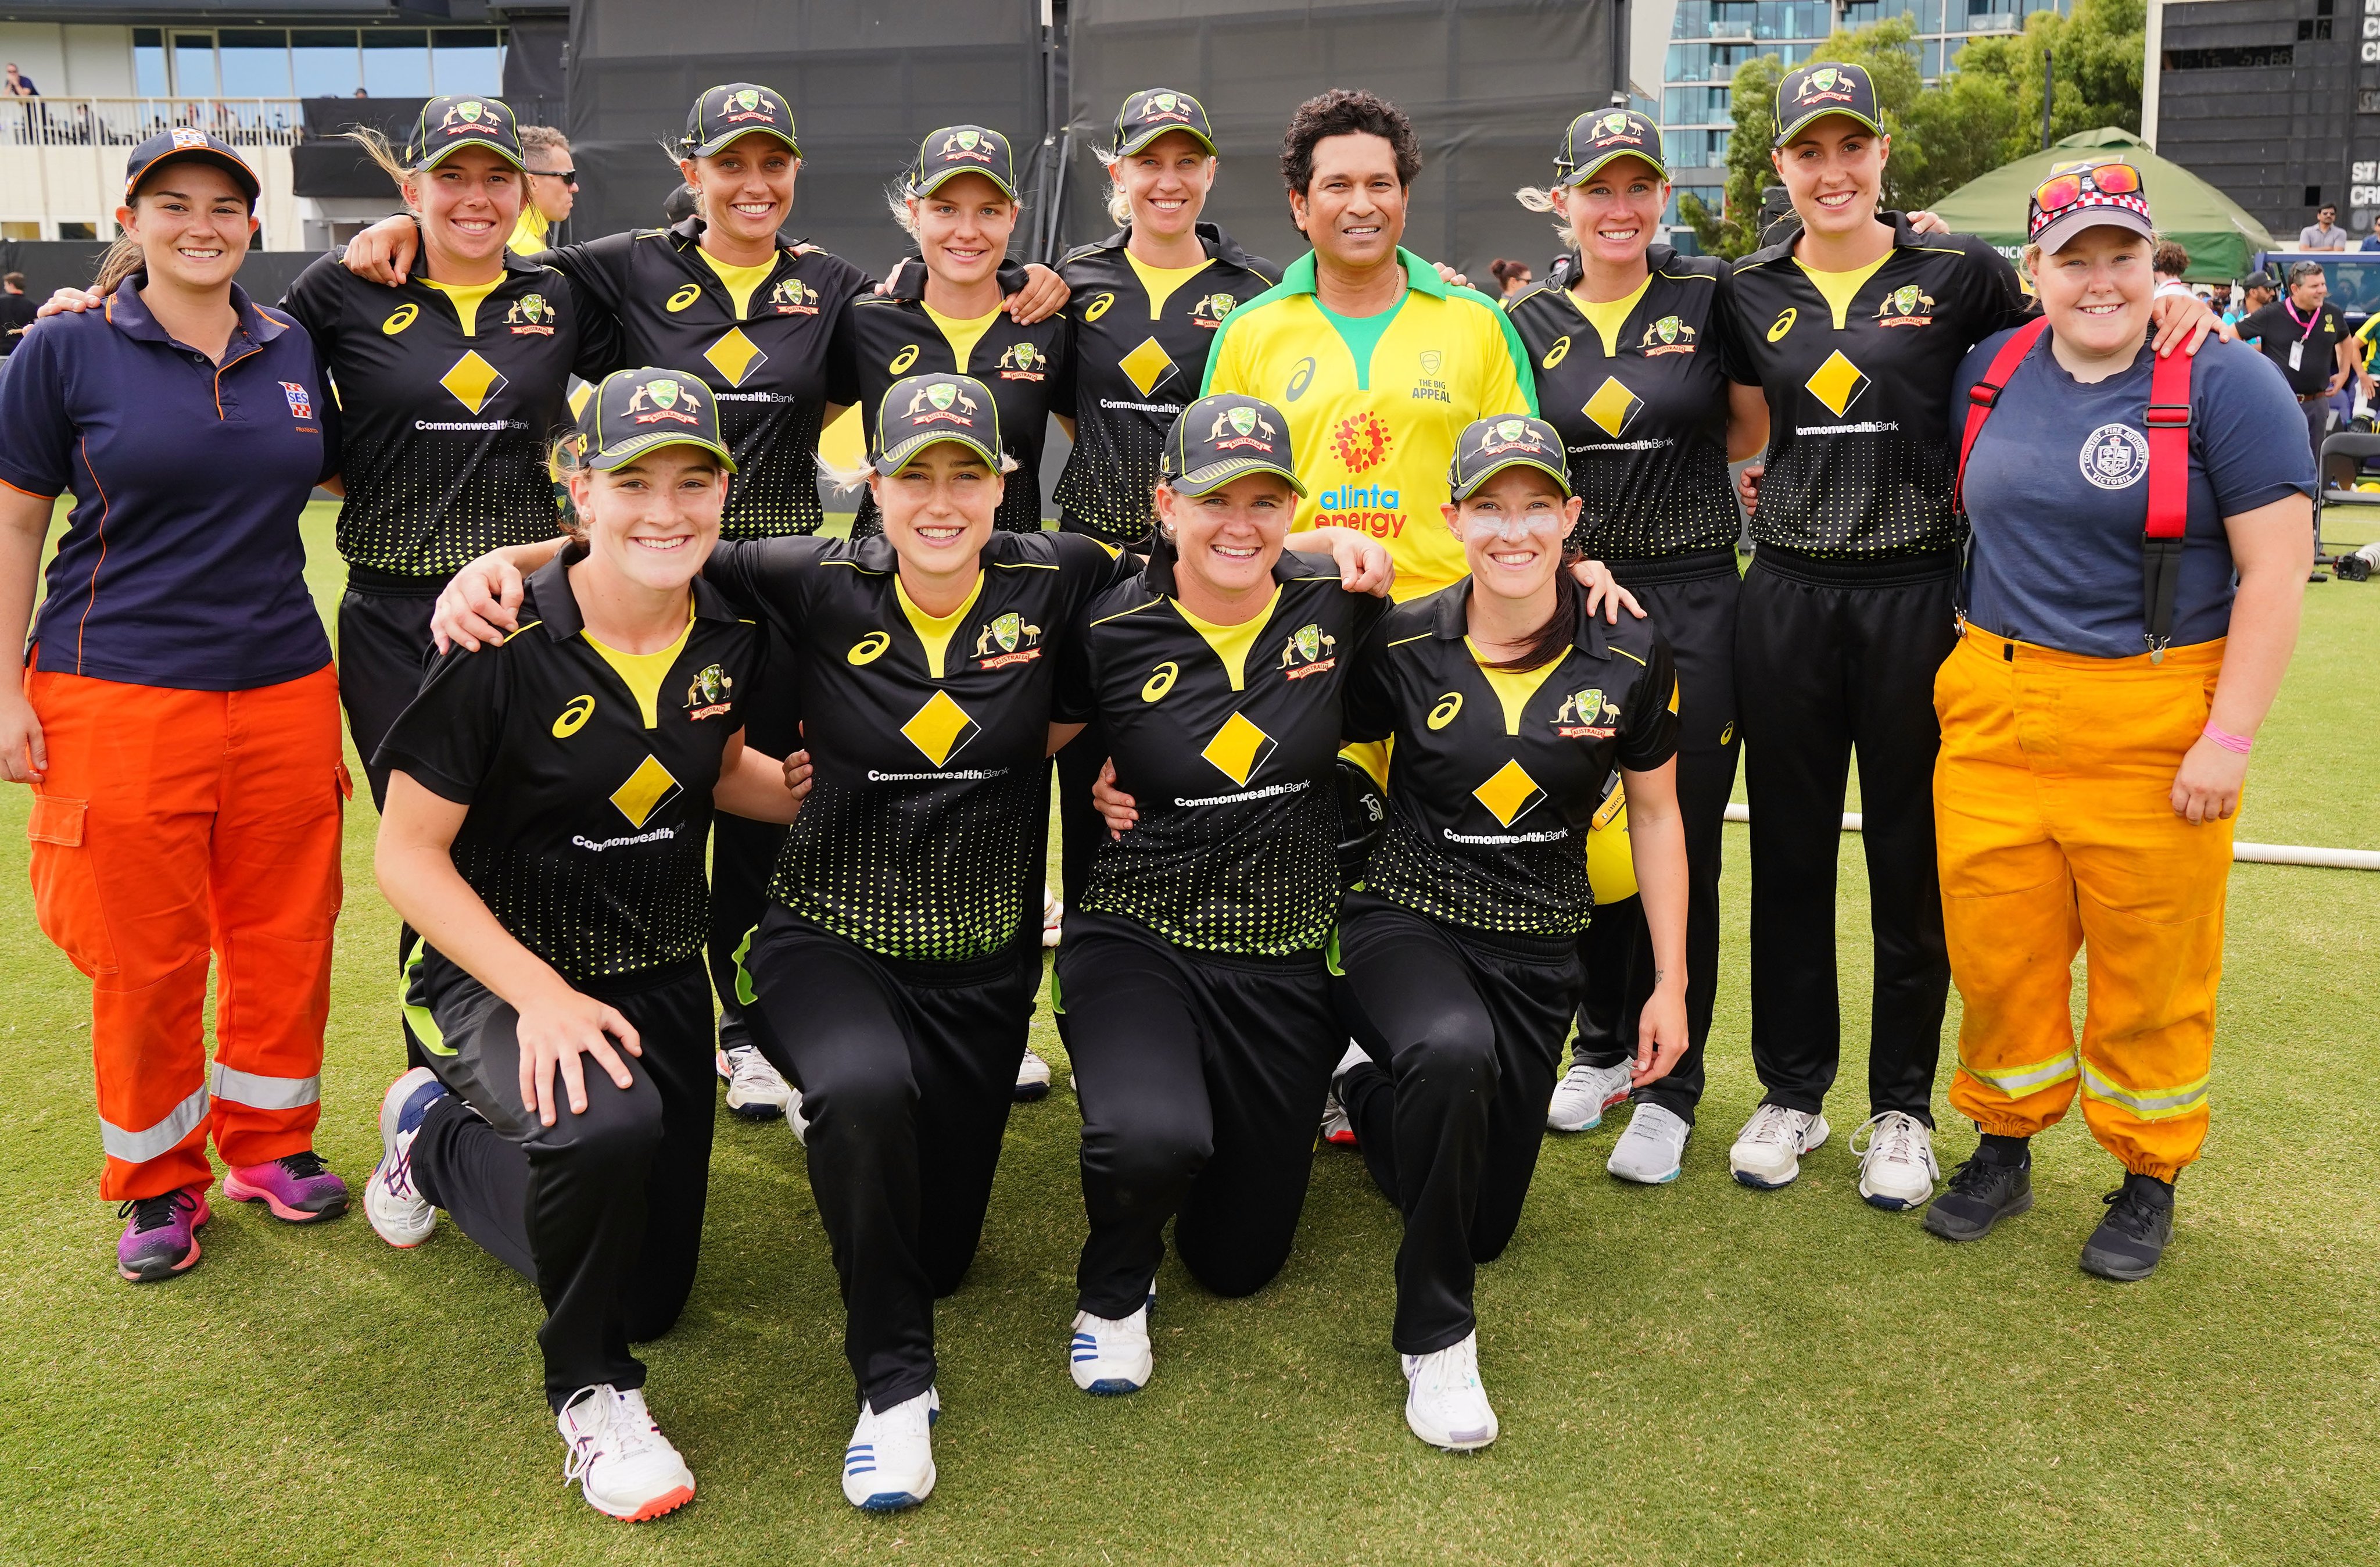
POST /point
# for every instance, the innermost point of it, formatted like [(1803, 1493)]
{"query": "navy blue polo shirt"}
[(2056, 495), (181, 565)]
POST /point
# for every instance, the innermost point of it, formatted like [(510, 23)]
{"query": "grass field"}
[(1688, 1374)]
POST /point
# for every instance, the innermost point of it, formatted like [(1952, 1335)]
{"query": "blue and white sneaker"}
[(890, 1464), (1110, 1356), (399, 1213), (1445, 1405), (1650, 1151)]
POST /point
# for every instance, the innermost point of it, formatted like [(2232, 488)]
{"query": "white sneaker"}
[(1648, 1151), (1053, 917), (625, 1467), (1768, 1152), (1445, 1405), (399, 1213), (1112, 1356), (890, 1464), (1897, 1168), (1337, 1130), (756, 1090), (1584, 1094), (1032, 1077), (797, 1121)]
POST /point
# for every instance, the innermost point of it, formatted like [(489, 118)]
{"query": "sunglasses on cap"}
[(2060, 191)]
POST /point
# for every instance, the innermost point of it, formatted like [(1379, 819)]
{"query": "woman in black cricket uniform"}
[(1631, 354), (1509, 705), (1854, 324), (548, 800), (1146, 300), (958, 201), (1190, 985)]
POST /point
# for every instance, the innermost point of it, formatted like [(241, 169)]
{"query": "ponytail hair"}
[(562, 460), (1560, 630), (121, 261), (1538, 198), (381, 152)]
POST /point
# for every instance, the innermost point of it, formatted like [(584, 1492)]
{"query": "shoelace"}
[(302, 1166), (1975, 1177), (157, 1212), (747, 1068), (609, 1428), (2134, 1214), (1891, 1136), (1772, 1124)]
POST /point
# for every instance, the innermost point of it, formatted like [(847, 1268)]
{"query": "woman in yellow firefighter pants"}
[(2089, 771)]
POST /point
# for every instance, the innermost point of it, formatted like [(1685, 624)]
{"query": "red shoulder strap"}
[(1986, 393), (2170, 446)]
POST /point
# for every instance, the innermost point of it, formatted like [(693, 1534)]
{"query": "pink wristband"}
[(2229, 742)]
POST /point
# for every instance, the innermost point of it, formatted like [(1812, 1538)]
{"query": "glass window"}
[(78, 230), (255, 62), (467, 59), (148, 63), (396, 61), (1929, 58), (194, 65), (324, 62)]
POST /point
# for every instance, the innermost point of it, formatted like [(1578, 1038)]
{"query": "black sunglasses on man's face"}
[(568, 176)]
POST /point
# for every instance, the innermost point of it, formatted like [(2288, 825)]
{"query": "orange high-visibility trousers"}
[(171, 823), (2056, 831)]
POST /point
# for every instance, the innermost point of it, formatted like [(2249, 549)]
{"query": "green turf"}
[(1687, 1374)]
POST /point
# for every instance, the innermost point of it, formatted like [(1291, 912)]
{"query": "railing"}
[(126, 122)]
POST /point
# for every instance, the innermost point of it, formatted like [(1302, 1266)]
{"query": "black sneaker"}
[(1978, 1196), (2139, 1226)]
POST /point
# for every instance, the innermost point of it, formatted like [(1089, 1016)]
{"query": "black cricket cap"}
[(445, 125), (1488, 447), (1595, 138), (635, 410), (1812, 92), (964, 149), (918, 410), (736, 108), (1149, 113), (183, 142), (1224, 437)]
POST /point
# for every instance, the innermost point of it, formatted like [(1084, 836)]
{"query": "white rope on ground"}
[(2259, 854)]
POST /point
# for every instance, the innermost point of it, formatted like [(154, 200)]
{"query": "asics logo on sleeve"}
[(1443, 714), (1557, 353), (683, 297), (401, 318), (1300, 379), (574, 717), (1160, 682), (899, 362), (1099, 307), (869, 648), (1783, 324)]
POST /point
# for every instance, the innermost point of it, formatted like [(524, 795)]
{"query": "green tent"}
[(2210, 225)]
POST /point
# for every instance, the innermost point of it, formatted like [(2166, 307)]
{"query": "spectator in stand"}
[(1513, 279), (15, 312), (18, 84), (2372, 241), (2218, 298), (552, 188), (2256, 290), (2169, 262), (2324, 233)]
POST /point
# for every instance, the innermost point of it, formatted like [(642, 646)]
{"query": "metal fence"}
[(126, 122)]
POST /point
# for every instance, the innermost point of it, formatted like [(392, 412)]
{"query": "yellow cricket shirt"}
[(1373, 432), (529, 234)]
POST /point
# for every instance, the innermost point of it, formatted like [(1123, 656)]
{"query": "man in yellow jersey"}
[(1378, 363), (552, 188)]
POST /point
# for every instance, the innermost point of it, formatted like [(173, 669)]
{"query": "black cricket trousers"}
[(1833, 656), (1201, 1077), (602, 1211), (1464, 1029), (906, 1072), (385, 648)]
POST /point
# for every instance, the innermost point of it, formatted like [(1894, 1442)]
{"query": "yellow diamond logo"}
[(1837, 384), (734, 356), (1238, 750), (940, 729), (1147, 365), (1613, 406), (473, 380), (648, 789), (1511, 794)]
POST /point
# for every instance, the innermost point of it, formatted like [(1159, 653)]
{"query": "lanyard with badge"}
[(2297, 350)]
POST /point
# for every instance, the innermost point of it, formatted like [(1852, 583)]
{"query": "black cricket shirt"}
[(2276, 331), (1643, 414), (1140, 356), (1029, 369), (764, 357), (1863, 441), (1226, 736), (588, 777), (445, 424), (924, 826), (1494, 778)]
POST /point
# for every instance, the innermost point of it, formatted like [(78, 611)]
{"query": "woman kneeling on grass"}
[(2097, 715), (549, 801)]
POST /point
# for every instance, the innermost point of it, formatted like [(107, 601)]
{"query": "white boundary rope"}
[(2260, 853)]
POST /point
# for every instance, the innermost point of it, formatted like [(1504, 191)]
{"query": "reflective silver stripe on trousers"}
[(264, 1093), (140, 1147)]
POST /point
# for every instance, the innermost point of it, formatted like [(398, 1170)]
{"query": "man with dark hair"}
[(15, 312), (2324, 233), (2307, 339), (1376, 361)]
